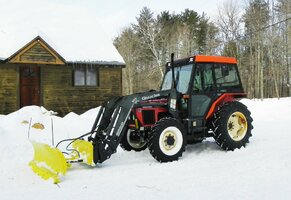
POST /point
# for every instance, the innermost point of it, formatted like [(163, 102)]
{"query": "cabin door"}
[(29, 85)]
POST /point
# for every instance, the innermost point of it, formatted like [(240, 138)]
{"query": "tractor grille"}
[(148, 116)]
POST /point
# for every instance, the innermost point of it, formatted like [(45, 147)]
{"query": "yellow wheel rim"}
[(237, 126)]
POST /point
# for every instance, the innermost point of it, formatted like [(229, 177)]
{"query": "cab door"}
[(202, 93)]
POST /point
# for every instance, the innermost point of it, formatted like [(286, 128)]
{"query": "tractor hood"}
[(153, 95)]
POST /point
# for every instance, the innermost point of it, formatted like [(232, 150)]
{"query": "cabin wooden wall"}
[(57, 90), (8, 88), (59, 94)]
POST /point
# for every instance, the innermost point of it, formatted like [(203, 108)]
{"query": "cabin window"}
[(85, 76)]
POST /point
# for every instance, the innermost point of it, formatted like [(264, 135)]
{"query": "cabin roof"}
[(44, 46), (52, 53), (68, 48)]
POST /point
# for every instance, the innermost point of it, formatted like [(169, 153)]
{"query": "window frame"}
[(85, 70), (227, 88), (176, 66)]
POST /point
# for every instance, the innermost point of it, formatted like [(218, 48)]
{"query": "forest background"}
[(257, 34)]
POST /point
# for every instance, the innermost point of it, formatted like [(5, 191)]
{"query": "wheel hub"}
[(169, 140), (237, 126)]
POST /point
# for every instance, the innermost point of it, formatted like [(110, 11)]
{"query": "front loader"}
[(198, 98)]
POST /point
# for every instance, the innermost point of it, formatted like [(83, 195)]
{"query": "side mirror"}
[(224, 70)]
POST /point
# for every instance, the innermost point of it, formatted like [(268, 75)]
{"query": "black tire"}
[(167, 141), (232, 126), (129, 145), (210, 125)]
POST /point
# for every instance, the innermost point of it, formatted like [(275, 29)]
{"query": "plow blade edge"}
[(48, 162)]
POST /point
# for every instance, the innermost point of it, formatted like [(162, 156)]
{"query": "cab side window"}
[(226, 76), (203, 79)]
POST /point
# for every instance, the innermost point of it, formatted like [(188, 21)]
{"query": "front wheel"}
[(167, 141), (133, 140), (232, 126)]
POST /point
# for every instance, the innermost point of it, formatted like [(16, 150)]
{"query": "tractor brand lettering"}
[(150, 97)]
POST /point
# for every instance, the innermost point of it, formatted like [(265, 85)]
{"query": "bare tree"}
[(284, 14), (127, 45), (147, 28), (229, 23), (255, 17)]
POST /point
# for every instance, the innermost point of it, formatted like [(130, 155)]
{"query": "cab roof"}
[(204, 59), (215, 59)]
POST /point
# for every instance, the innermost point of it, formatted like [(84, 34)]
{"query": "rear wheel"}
[(167, 141), (232, 125), (133, 140)]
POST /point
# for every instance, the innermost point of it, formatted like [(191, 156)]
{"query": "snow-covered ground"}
[(262, 170)]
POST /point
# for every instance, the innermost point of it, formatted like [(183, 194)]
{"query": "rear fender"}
[(223, 99)]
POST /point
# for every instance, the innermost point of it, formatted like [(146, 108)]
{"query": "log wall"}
[(57, 91), (8, 88)]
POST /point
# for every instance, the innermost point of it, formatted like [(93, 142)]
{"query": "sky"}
[(80, 30)]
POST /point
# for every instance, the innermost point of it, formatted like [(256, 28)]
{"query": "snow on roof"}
[(70, 48), (73, 32), (96, 62)]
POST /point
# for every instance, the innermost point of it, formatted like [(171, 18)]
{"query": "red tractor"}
[(198, 98)]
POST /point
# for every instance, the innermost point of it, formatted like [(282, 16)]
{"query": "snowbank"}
[(259, 171)]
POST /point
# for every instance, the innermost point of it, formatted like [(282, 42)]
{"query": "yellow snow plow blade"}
[(85, 150), (50, 162)]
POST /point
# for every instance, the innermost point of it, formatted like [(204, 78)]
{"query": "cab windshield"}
[(182, 77)]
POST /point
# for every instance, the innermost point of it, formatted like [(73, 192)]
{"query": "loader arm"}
[(110, 124)]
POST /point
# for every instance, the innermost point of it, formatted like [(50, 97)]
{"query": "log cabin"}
[(37, 74)]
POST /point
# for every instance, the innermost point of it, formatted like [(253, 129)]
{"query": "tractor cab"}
[(202, 82), (202, 74)]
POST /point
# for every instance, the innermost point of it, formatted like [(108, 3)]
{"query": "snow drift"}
[(259, 171)]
